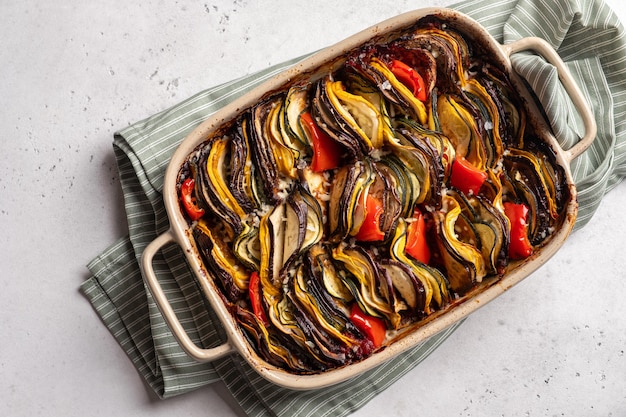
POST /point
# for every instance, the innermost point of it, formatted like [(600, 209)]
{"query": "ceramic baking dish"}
[(327, 59)]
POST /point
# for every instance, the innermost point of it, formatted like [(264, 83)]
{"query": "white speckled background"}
[(73, 72)]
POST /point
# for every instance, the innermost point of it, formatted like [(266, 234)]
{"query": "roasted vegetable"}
[(326, 151), (520, 246), (341, 211), (188, 198)]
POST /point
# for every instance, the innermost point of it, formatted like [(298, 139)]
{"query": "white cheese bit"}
[(376, 154), (282, 195)]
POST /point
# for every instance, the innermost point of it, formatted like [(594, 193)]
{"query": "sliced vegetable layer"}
[(340, 212)]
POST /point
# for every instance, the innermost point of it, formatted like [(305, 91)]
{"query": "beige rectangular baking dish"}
[(319, 63)]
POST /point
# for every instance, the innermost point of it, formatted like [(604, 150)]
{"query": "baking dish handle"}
[(199, 354), (543, 48)]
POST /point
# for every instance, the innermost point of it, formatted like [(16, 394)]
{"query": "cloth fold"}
[(589, 38)]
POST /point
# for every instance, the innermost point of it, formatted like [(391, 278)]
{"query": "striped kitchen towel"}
[(589, 38)]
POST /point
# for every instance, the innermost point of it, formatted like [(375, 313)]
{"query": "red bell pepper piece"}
[(466, 177), (326, 151), (189, 200), (410, 78), (373, 327), (370, 229), (416, 244), (519, 246), (254, 291)]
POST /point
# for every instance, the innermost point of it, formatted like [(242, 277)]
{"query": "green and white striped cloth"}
[(589, 38)]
